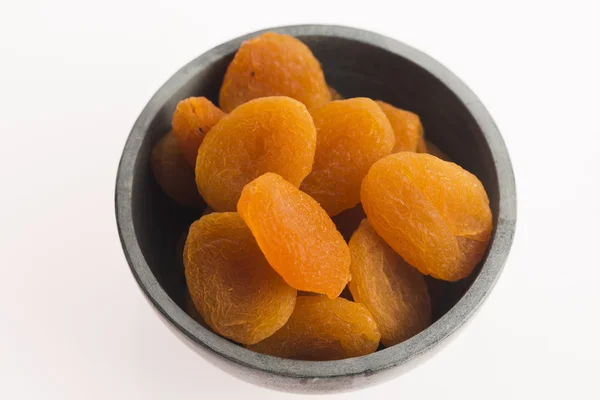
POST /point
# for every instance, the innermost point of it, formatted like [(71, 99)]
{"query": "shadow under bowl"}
[(358, 64)]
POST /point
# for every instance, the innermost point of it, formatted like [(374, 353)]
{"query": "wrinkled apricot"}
[(273, 64), (347, 221), (192, 120), (296, 235), (436, 151), (231, 283), (394, 292), (431, 212), (335, 95), (407, 127), (172, 172), (302, 293), (351, 135), (322, 329), (271, 134)]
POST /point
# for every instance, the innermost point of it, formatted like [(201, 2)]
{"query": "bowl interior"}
[(354, 68)]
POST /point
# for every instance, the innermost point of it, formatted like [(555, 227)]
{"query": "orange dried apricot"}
[(303, 293), (323, 329), (436, 151), (296, 235), (273, 64), (270, 134), (192, 120), (231, 283), (394, 292), (431, 212), (407, 126), (347, 221), (351, 135), (172, 172)]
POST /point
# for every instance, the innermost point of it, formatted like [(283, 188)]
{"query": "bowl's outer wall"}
[(356, 63)]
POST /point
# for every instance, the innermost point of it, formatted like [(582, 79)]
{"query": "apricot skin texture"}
[(231, 283), (273, 64), (322, 329), (296, 235), (351, 135), (192, 120), (271, 134), (394, 292), (407, 127), (433, 213)]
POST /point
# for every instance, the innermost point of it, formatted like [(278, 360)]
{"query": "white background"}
[(74, 77)]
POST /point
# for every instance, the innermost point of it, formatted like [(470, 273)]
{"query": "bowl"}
[(356, 63)]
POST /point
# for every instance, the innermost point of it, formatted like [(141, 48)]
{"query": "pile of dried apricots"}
[(311, 195)]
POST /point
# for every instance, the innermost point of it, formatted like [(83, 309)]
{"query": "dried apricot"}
[(323, 329), (351, 135), (407, 126), (296, 235), (433, 213), (302, 293), (273, 64), (231, 283), (271, 134), (394, 292), (347, 221), (172, 172), (192, 120)]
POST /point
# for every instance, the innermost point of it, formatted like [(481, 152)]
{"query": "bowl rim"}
[(375, 362)]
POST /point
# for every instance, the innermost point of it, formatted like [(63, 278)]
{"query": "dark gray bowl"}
[(356, 63)]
